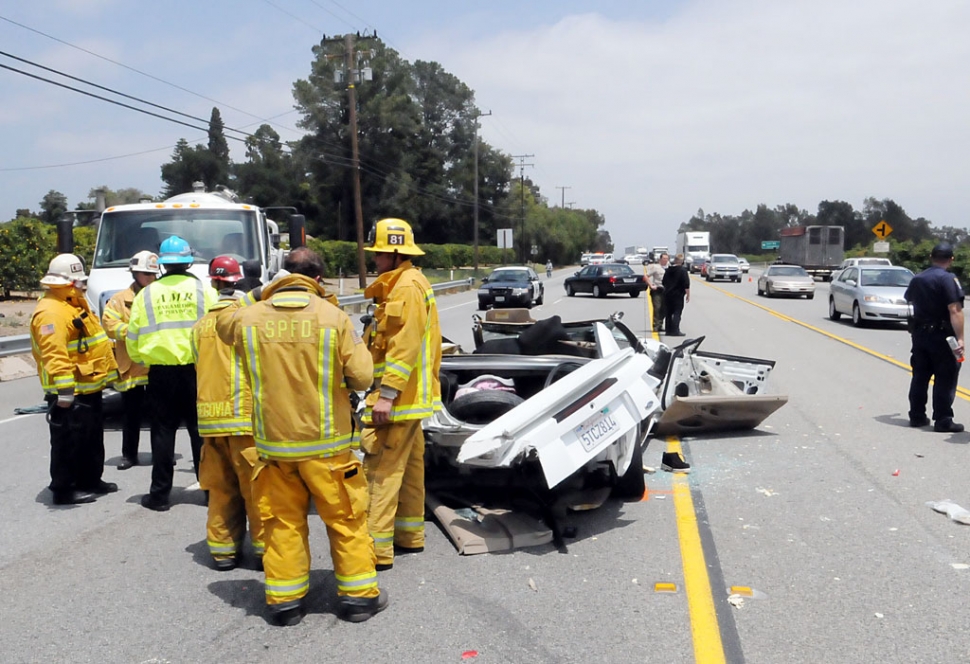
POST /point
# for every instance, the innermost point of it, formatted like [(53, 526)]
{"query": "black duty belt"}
[(937, 326)]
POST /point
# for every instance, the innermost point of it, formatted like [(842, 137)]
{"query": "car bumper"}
[(505, 300), (736, 274), (626, 288), (884, 311), (793, 289)]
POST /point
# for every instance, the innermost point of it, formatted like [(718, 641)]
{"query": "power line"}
[(293, 16), (137, 71), (112, 91), (110, 101), (120, 156), (322, 8)]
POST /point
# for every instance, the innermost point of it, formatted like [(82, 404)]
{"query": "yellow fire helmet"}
[(394, 235)]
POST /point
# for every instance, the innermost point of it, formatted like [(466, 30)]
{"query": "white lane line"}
[(466, 304), (16, 417)]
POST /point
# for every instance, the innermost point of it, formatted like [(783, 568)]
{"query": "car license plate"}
[(630, 280), (596, 429), (500, 298)]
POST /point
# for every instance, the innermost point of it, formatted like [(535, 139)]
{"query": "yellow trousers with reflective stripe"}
[(394, 462), (283, 490), (226, 472)]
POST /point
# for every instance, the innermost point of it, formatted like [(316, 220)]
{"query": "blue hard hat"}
[(174, 250)]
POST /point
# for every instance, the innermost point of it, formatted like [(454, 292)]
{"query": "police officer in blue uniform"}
[(937, 304)]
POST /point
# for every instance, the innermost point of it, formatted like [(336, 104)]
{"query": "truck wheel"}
[(834, 313), (482, 306)]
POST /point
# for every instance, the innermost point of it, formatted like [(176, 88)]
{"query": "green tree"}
[(218, 150), (52, 206), (26, 248)]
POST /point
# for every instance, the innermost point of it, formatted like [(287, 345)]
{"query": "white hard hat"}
[(64, 270), (144, 261)]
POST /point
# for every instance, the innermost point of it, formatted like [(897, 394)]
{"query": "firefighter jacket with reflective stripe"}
[(115, 322), (162, 316), (71, 357), (225, 402), (405, 342), (302, 358)]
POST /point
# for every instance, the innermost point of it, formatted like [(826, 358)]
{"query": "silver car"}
[(786, 280), (870, 294), (723, 266)]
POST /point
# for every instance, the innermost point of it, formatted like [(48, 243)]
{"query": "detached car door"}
[(597, 412)]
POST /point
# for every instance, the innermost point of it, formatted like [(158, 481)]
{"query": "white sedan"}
[(786, 280)]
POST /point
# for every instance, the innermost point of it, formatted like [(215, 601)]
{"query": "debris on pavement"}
[(951, 509)]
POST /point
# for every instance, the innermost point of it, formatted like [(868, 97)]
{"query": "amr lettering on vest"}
[(165, 305)]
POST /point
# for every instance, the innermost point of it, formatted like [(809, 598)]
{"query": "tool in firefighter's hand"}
[(78, 323)]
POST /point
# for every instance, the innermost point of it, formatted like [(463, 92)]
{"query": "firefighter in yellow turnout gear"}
[(132, 377), (225, 407), (405, 343), (74, 363), (302, 358)]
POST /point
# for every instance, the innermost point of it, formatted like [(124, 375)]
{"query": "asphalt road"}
[(846, 562)]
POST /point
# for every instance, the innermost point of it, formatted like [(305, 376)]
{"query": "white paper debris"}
[(532, 584), (951, 509), (736, 601), (767, 492)]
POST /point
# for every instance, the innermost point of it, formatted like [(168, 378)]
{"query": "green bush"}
[(26, 248)]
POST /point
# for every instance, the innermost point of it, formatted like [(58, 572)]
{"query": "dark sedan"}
[(601, 280), (510, 287)]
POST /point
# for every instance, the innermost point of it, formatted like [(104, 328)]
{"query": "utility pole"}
[(352, 74), (475, 194), (355, 156), (522, 165), (563, 204)]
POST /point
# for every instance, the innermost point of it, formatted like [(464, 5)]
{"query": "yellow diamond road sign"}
[(882, 230)]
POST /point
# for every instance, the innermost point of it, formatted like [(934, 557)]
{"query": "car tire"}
[(709, 279), (834, 313), (857, 319), (810, 296), (542, 296), (635, 293), (768, 292), (761, 291), (482, 306), (631, 485), (483, 406), (569, 290), (597, 291)]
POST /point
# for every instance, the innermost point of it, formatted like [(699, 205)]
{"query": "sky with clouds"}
[(647, 110)]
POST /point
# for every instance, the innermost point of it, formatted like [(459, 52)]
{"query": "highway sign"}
[(770, 244), (882, 230)]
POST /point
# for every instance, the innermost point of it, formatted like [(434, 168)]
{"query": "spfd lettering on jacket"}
[(288, 329)]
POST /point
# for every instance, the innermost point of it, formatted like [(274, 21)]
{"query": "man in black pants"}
[(160, 336), (937, 301), (676, 285)]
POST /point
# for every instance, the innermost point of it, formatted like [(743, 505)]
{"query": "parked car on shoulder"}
[(513, 286), (723, 266), (606, 278), (786, 280), (870, 293)]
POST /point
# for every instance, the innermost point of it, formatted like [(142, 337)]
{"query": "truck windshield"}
[(209, 232)]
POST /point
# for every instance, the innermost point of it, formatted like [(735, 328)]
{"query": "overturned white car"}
[(547, 401)]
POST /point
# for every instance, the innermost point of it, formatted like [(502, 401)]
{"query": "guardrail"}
[(20, 344)]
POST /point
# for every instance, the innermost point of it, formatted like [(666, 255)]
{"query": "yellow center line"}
[(705, 630), (963, 392)]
